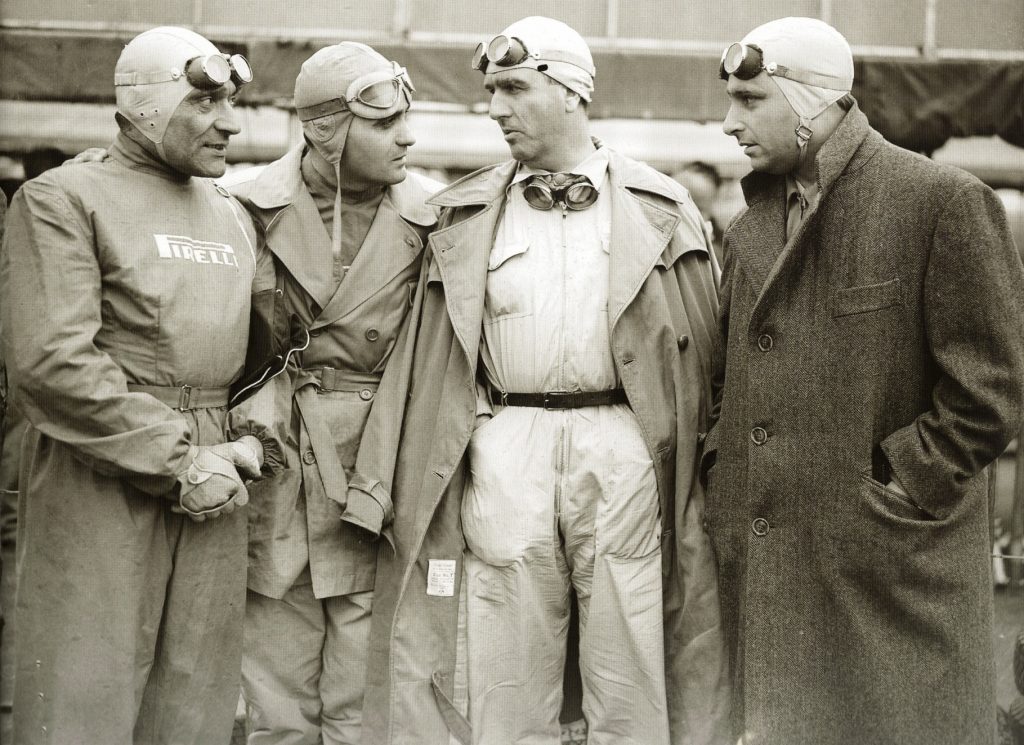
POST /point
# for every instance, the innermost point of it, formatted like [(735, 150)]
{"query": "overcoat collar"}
[(641, 230), (758, 237), (296, 234)]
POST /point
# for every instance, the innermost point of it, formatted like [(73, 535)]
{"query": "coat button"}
[(372, 334), (309, 457), (683, 342), (760, 527), (701, 437), (279, 292), (410, 241), (765, 343), (366, 394), (759, 435)]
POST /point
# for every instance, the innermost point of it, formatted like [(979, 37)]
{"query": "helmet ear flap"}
[(322, 128)]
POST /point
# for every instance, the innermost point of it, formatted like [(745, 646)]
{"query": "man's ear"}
[(572, 101)]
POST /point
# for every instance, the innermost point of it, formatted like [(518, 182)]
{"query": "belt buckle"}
[(185, 398), (556, 400)]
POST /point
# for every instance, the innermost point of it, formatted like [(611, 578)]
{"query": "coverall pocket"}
[(506, 508), (509, 281)]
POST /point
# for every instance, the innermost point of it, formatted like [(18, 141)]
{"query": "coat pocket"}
[(867, 298), (886, 503)]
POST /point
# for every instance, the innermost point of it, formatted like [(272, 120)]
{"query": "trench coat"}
[(662, 305), (303, 513), (885, 338)]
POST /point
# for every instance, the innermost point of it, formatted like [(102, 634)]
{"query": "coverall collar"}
[(132, 155)]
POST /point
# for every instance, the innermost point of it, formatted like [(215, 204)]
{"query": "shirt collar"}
[(594, 167), (807, 195)]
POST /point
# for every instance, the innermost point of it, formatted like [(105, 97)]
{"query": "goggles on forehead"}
[(205, 71), (509, 51), (214, 70), (746, 61), (375, 95)]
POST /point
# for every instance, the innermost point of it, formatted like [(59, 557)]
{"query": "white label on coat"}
[(441, 578), (199, 252)]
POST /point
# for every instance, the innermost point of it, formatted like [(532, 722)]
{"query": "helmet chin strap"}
[(803, 134), (336, 222)]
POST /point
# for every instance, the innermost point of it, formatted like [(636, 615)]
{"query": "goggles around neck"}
[(543, 191), (205, 72), (746, 61), (509, 51), (375, 95)]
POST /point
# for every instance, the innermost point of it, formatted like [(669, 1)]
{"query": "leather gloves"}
[(212, 485)]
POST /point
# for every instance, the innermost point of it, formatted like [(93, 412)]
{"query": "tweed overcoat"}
[(662, 306), (884, 338)]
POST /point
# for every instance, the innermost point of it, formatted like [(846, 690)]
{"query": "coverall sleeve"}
[(267, 414), (974, 324), (71, 391)]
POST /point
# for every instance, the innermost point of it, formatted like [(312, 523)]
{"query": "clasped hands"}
[(212, 485)]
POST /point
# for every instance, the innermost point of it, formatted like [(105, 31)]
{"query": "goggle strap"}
[(555, 55), (537, 58), (831, 82), (147, 78), (166, 76), (317, 110)]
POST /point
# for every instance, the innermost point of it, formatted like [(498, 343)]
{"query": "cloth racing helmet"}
[(158, 68)]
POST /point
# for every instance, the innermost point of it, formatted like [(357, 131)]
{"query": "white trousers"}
[(560, 501)]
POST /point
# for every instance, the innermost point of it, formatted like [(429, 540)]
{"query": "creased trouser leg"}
[(552, 500), (284, 642), (343, 680), (192, 691), (304, 670)]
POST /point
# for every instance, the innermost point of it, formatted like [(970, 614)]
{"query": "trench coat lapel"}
[(295, 233), (461, 251), (390, 246), (640, 231)]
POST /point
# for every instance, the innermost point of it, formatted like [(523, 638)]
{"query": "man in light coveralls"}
[(555, 387)]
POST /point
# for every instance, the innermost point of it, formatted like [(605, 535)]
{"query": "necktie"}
[(572, 190), (795, 208)]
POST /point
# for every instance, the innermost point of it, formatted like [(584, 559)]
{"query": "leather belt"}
[(554, 400), (184, 397)]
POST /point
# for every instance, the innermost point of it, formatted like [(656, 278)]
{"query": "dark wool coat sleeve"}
[(973, 312)]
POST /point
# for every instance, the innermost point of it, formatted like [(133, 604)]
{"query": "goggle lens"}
[(502, 50), (242, 70), (480, 57), (380, 95), (742, 60)]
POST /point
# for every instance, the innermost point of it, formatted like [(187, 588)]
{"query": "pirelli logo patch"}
[(199, 252)]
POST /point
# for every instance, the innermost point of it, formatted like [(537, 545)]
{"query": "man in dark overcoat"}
[(872, 306)]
